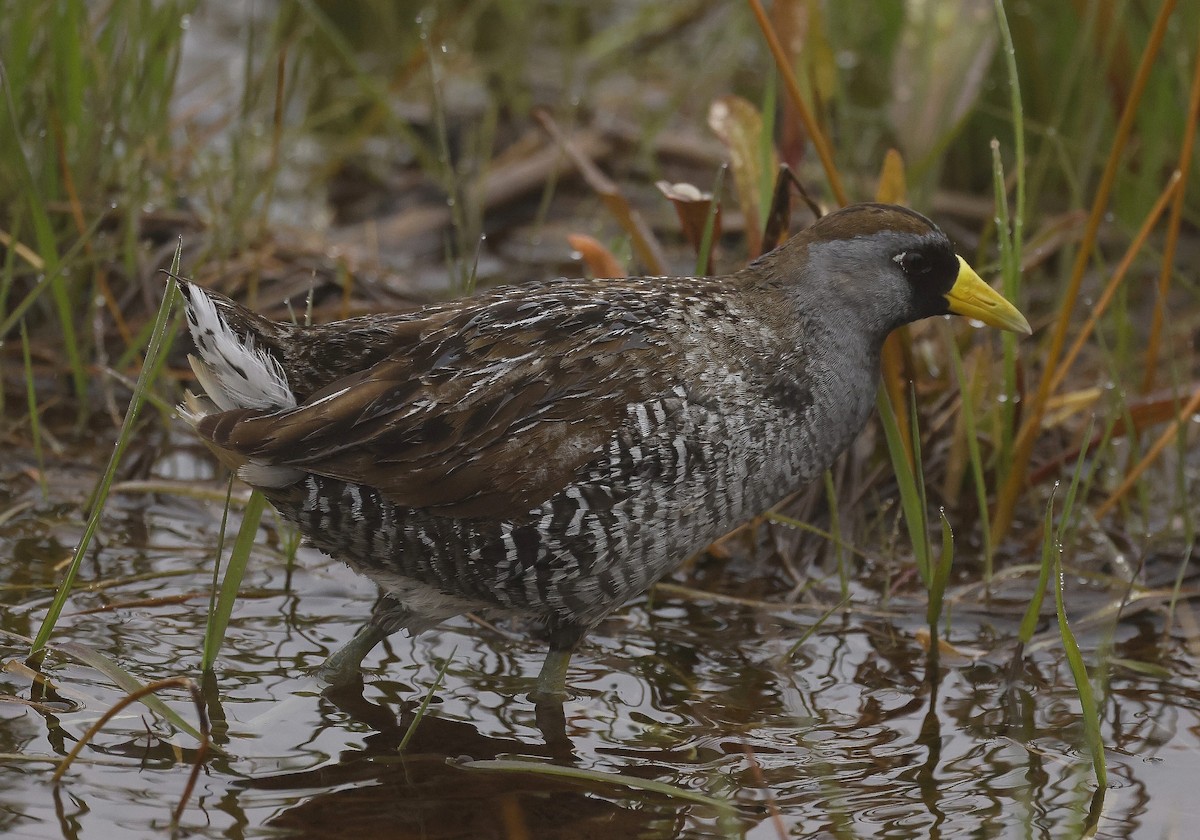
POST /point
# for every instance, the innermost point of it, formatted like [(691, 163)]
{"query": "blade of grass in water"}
[(585, 776), (1083, 686), (150, 370), (941, 577), (235, 570), (835, 528), (416, 721), (815, 626), (922, 522), (125, 681), (1052, 539), (1033, 611)]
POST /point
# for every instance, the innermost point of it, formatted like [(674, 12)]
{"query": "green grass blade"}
[(910, 494), (1065, 520), (941, 578), (710, 224), (150, 370), (1010, 239), (816, 625), (835, 528), (1083, 686), (235, 569), (35, 427), (978, 476), (1033, 611), (1004, 238), (416, 721), (918, 472)]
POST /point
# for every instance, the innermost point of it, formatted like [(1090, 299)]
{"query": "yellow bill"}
[(973, 298)]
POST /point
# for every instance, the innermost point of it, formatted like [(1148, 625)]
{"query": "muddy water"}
[(845, 739)]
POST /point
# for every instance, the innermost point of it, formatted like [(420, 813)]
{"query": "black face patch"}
[(931, 267)]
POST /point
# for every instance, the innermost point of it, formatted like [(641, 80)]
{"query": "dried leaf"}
[(739, 126), (599, 260), (779, 217), (945, 648), (693, 208), (893, 186)]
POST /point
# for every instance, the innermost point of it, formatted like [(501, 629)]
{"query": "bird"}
[(551, 449)]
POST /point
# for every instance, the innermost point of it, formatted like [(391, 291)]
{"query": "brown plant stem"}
[(824, 152)]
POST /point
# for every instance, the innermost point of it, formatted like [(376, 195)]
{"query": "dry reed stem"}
[(806, 116), (640, 234), (1118, 275), (1173, 223), (133, 697), (1155, 450)]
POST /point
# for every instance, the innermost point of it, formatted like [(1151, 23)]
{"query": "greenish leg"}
[(344, 666), (552, 680)]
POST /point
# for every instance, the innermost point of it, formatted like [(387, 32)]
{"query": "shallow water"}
[(845, 739), (848, 737)]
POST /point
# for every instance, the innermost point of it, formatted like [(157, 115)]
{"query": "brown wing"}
[(487, 414)]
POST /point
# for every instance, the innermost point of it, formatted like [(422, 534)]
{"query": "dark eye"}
[(914, 263)]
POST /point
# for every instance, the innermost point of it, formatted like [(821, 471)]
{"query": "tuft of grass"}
[(1014, 483), (155, 356), (86, 104)]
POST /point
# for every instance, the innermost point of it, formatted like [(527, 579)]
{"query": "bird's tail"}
[(235, 370), (233, 363)]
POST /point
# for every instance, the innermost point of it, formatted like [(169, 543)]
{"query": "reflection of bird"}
[(553, 449)]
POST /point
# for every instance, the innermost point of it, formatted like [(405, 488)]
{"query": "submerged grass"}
[(723, 807)]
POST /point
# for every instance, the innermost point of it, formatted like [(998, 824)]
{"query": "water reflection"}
[(846, 738)]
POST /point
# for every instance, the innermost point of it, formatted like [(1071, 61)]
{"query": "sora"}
[(553, 449)]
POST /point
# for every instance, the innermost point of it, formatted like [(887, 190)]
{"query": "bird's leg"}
[(552, 679), (344, 666)]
